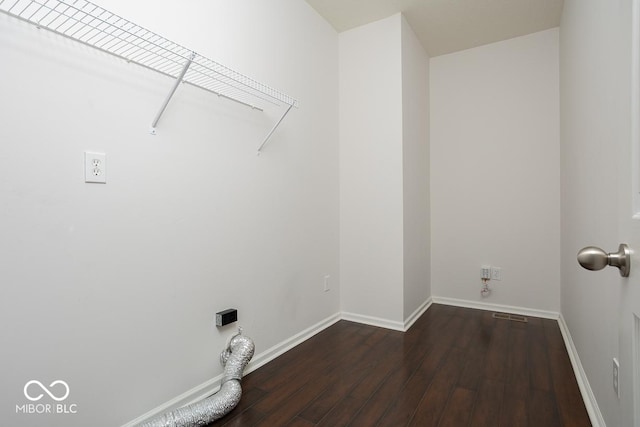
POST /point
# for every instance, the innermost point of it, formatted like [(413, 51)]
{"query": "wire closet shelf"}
[(95, 26)]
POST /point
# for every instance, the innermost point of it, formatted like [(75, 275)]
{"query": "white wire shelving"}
[(95, 26)]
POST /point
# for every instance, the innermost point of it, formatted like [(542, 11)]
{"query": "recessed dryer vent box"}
[(227, 316)]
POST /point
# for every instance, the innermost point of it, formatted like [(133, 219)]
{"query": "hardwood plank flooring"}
[(454, 367)]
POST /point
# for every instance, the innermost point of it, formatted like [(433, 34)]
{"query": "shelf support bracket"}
[(274, 129), (171, 92)]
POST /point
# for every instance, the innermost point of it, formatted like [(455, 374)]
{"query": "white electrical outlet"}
[(496, 273), (326, 283), (485, 272), (616, 377), (95, 167)]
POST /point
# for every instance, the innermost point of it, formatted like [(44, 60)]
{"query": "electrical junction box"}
[(227, 316)]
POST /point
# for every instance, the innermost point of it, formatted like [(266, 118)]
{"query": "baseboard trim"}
[(583, 383), (211, 386), (373, 321), (386, 323), (416, 314), (497, 307)]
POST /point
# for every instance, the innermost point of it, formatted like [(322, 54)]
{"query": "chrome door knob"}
[(594, 258)]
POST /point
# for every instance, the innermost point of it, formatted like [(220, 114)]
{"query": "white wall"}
[(595, 39), (384, 173), (495, 173), (113, 288), (371, 193), (415, 158)]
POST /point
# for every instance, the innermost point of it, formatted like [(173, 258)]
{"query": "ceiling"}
[(445, 26)]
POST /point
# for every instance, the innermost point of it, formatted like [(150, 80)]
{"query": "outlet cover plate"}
[(95, 167)]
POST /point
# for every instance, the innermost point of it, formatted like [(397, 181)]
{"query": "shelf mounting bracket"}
[(152, 131), (274, 129)]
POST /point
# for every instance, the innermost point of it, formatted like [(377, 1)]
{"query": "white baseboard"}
[(409, 321), (386, 323), (211, 386), (583, 383), (373, 321), (497, 307)]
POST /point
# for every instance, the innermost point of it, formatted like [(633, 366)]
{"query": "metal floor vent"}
[(512, 317)]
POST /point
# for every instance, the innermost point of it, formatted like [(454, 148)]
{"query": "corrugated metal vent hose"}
[(234, 359)]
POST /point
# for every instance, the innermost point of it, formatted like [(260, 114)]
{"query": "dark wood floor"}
[(454, 367)]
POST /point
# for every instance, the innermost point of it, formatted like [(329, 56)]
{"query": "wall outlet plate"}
[(496, 273), (95, 167)]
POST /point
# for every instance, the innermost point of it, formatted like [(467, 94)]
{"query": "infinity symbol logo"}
[(38, 397)]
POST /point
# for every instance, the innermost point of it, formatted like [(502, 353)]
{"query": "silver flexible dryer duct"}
[(234, 359)]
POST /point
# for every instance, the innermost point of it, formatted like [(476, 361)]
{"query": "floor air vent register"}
[(512, 317)]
